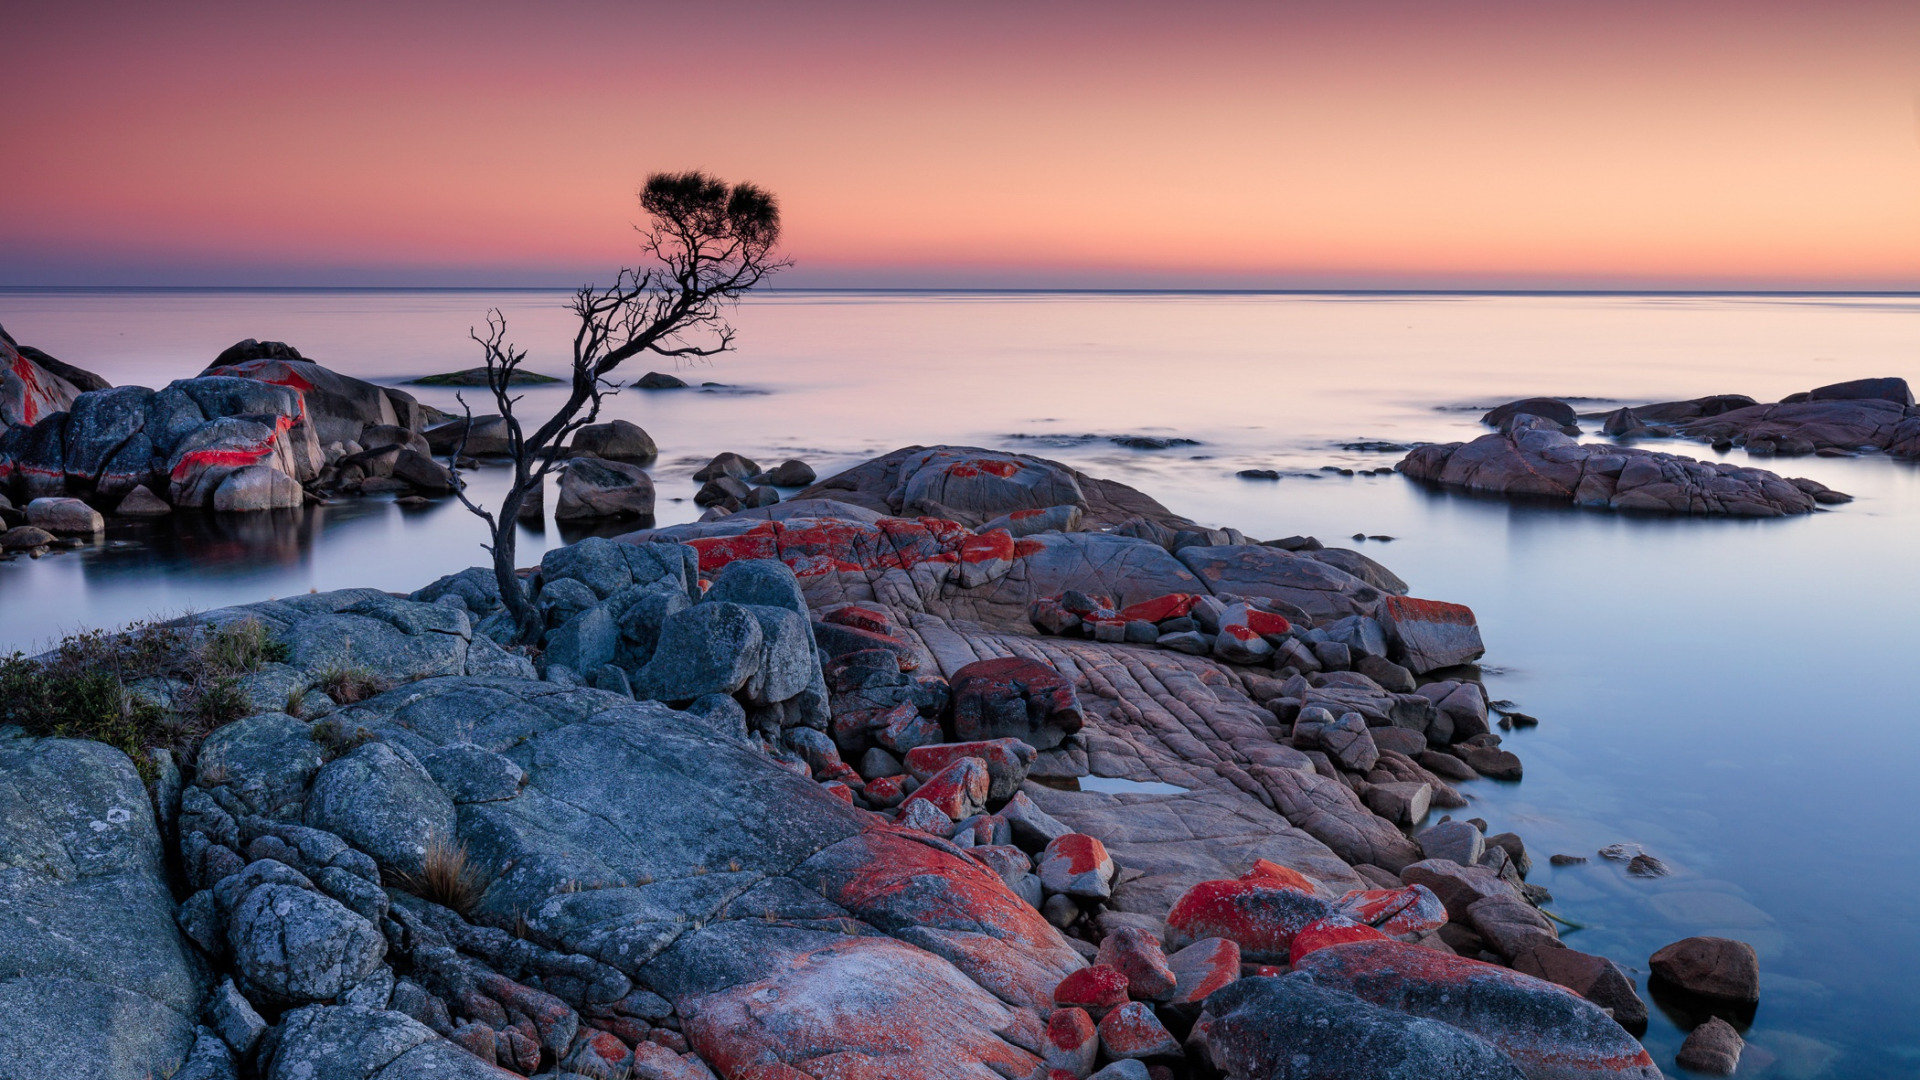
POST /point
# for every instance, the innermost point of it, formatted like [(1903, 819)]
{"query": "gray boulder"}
[(95, 978), (268, 757), (357, 1043), (616, 440), (384, 803), (592, 489), (293, 944), (1291, 1028), (707, 648)]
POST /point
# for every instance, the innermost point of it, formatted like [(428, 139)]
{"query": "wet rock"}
[(257, 487), (1713, 1047), (25, 538), (1510, 926), (1550, 1032), (591, 489), (1014, 698), (1454, 841), (1490, 761), (616, 440), (1426, 635), (485, 436), (1595, 978), (1292, 1027), (1559, 412), (789, 473), (59, 515), (1540, 462), (657, 380), (1713, 967), (141, 502)]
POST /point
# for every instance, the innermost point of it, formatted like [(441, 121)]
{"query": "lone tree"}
[(708, 243)]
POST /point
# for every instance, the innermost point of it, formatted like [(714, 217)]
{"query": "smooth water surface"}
[(1732, 695)]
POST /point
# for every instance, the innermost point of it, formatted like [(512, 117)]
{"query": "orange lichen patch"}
[(1269, 871), (823, 546), (1261, 916), (1417, 610), (1160, 608), (987, 546), (1332, 930), (1203, 967)]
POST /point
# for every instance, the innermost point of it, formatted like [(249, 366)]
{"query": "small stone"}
[(1712, 1048), (1132, 1031), (1073, 1043), (141, 502), (231, 1015), (1095, 988), (1203, 967), (1060, 910), (1076, 865), (1136, 954), (1567, 860), (1455, 841), (25, 538), (1644, 865)]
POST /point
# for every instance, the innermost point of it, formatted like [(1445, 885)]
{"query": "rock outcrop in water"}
[(1533, 458), (791, 795)]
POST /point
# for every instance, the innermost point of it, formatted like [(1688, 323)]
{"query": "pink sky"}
[(1545, 143)]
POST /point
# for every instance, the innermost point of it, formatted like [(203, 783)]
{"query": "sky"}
[(1335, 144)]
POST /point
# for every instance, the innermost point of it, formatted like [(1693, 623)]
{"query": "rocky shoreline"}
[(796, 792)]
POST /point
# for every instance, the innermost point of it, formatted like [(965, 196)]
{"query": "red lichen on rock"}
[(1262, 916), (1435, 611), (1160, 608), (236, 455), (1396, 911), (1273, 873), (1133, 1031), (1266, 622), (861, 617), (1332, 930), (1203, 967), (958, 791), (1096, 989)]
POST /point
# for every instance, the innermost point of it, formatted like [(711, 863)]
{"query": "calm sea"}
[(1734, 696)]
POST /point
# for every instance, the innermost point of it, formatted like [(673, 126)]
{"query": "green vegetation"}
[(150, 686)]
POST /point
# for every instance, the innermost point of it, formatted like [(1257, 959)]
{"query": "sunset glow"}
[(1504, 144)]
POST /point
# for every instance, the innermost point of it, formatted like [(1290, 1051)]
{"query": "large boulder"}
[(616, 440), (1541, 462), (709, 874), (384, 803), (95, 978), (337, 407), (1014, 698), (204, 459), (1551, 1032), (295, 944), (972, 487), (29, 393), (1293, 1028), (591, 489), (1430, 634), (100, 426), (1713, 967), (1323, 592)]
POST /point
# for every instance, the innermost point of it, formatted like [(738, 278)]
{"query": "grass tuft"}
[(447, 878), (346, 685)]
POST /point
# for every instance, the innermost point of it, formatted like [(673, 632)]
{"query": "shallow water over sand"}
[(1734, 696)]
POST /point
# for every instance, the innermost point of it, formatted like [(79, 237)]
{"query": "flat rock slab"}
[(98, 981)]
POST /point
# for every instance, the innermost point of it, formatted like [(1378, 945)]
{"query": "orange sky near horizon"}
[(1361, 144)]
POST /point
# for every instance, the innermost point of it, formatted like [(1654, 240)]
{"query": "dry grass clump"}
[(336, 740), (448, 877), (350, 683)]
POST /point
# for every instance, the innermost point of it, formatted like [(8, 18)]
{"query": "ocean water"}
[(1734, 696)]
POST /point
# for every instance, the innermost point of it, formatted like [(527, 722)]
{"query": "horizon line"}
[(992, 290)]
